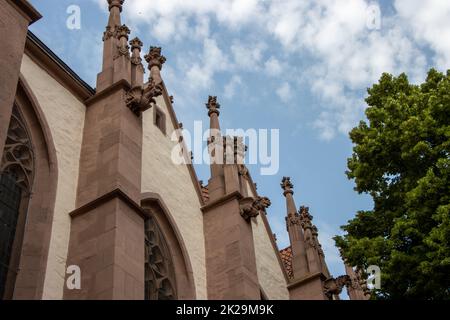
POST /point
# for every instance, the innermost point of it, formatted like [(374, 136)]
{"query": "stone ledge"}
[(228, 197), (26, 10), (121, 84), (116, 193)]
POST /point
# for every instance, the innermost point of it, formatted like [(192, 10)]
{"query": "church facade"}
[(88, 188)]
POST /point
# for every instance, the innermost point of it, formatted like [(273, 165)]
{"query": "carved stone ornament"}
[(213, 106), (109, 33), (134, 100), (154, 58), (310, 241), (136, 47), (123, 31), (251, 207), (115, 3), (123, 49), (243, 171), (334, 286), (137, 61), (287, 185), (140, 99), (292, 219), (306, 219), (136, 43), (18, 156)]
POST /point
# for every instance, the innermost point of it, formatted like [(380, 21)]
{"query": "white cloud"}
[(247, 57), (284, 92), (344, 55), (429, 23), (347, 56), (231, 87), (273, 66), (325, 126), (200, 75), (163, 16)]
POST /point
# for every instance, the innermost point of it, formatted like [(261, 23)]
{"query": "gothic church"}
[(86, 180)]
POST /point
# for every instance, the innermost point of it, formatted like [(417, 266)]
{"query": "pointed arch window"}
[(159, 267), (16, 176)]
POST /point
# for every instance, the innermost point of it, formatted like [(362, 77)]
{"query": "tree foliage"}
[(401, 158)]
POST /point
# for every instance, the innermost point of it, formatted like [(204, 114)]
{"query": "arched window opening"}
[(16, 176), (159, 268)]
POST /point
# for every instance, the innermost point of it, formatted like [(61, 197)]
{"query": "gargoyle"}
[(140, 99), (251, 207), (262, 203), (334, 286)]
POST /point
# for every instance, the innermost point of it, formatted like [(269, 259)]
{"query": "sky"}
[(300, 66)]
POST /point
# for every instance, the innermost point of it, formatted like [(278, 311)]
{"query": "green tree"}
[(401, 159)]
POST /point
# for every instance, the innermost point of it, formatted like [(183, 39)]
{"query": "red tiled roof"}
[(286, 257)]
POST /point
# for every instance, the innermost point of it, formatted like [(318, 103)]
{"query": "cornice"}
[(26, 10), (235, 195), (116, 193), (119, 85)]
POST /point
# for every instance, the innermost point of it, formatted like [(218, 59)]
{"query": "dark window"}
[(16, 176), (10, 197), (159, 268), (160, 119)]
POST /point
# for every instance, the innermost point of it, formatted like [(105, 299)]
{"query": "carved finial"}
[(136, 47), (154, 58), (136, 43), (304, 211), (315, 232), (306, 219), (287, 185), (213, 106), (123, 31), (122, 35), (115, 3)]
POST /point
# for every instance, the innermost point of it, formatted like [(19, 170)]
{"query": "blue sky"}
[(299, 66)]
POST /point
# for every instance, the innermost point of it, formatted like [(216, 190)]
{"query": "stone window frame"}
[(33, 233), (159, 119), (154, 204)]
